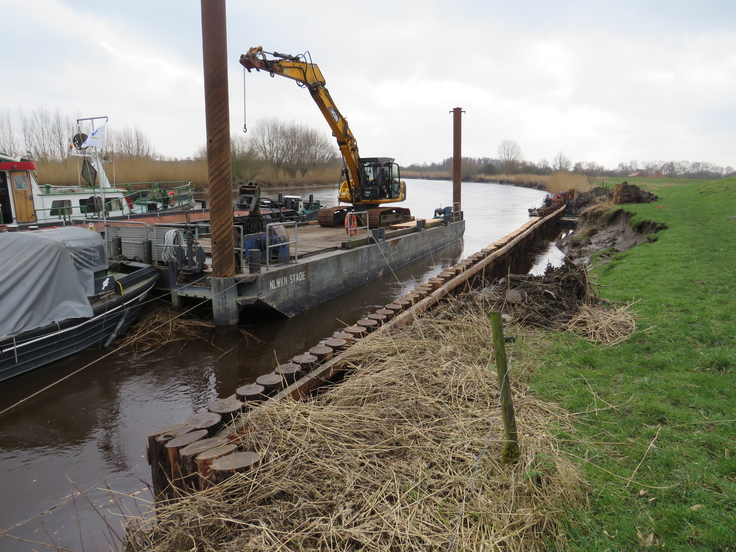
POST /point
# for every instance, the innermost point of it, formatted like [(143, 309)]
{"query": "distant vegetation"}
[(272, 153), (278, 153), (509, 160)]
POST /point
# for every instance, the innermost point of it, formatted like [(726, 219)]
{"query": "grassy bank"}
[(656, 415)]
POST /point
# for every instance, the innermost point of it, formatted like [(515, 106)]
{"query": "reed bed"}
[(404, 454)]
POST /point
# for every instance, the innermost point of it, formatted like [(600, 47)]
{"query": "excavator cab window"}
[(381, 179)]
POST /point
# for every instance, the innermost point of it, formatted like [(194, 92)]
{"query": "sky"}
[(597, 80)]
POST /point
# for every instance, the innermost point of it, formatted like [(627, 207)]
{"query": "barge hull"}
[(299, 287)]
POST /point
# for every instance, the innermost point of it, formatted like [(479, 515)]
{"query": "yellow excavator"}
[(368, 182)]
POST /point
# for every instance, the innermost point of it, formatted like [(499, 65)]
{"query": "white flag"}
[(95, 139)]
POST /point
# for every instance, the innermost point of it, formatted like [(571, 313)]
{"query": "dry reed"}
[(401, 455), (604, 323), (160, 325)]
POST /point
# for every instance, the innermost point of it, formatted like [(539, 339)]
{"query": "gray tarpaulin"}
[(46, 276)]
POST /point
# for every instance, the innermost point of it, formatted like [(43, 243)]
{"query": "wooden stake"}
[(205, 459), (510, 452)]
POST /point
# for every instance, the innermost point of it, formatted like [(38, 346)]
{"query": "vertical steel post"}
[(217, 111), (457, 157)]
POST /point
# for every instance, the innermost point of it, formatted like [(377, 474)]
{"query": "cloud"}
[(598, 81)]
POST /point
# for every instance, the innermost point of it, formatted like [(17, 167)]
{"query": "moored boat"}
[(25, 203), (59, 296)]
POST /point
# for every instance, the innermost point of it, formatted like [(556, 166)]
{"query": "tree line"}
[(510, 160), (45, 135), (292, 149), (289, 148)]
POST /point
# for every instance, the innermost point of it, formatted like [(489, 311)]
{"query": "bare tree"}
[(561, 163), (290, 147), (246, 164), (8, 139), (509, 153), (128, 143)]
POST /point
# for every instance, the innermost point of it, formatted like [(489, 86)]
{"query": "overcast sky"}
[(600, 81)]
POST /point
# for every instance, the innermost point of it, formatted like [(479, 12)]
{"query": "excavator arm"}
[(369, 181), (309, 75)]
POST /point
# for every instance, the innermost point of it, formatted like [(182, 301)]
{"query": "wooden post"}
[(457, 157), (368, 324), (336, 344), (288, 372), (322, 352), (205, 459), (187, 464), (250, 394), (356, 331), (211, 421), (345, 336), (305, 361), (227, 408), (387, 313), (172, 449), (271, 383), (226, 466), (510, 452)]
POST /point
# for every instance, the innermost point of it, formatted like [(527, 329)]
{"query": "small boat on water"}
[(59, 296)]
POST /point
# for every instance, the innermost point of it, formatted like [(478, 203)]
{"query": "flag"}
[(95, 139)]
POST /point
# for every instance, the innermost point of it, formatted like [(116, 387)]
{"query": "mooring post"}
[(510, 452), (214, 48), (457, 158)]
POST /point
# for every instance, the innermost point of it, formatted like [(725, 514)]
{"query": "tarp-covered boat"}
[(58, 296)]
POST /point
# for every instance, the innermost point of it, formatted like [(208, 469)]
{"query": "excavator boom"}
[(368, 181)]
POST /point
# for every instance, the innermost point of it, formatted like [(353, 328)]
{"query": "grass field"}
[(656, 415)]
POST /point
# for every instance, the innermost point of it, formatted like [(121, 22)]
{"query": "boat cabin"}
[(23, 202)]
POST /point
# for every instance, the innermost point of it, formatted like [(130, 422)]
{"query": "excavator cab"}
[(381, 181)]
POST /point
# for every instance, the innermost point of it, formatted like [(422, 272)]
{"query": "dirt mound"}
[(548, 301), (633, 194), (591, 197)]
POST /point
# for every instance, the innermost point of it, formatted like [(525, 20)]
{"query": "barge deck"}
[(305, 264)]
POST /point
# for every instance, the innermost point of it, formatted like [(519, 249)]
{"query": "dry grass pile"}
[(160, 325), (604, 324), (402, 455), (548, 301)]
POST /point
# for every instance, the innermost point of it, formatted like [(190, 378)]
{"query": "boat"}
[(26, 204), (59, 296)]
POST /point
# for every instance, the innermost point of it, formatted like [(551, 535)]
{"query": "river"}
[(72, 457)]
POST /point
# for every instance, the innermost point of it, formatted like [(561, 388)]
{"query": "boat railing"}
[(274, 241), (133, 201), (457, 214), (359, 217)]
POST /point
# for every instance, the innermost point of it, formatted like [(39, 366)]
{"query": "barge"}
[(291, 266)]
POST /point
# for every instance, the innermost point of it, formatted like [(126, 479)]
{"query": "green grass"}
[(657, 414)]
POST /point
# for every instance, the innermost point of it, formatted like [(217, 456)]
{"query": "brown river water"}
[(72, 457)]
